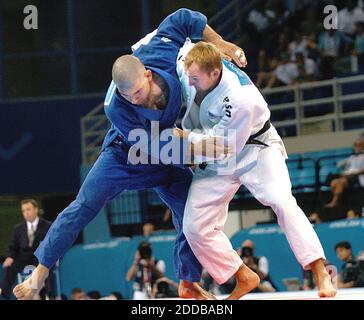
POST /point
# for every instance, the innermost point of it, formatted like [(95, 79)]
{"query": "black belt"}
[(251, 140)]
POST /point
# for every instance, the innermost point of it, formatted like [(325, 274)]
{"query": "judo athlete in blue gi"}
[(145, 88)]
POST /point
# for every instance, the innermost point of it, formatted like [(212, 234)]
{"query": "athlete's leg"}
[(204, 220), (269, 182), (188, 269)]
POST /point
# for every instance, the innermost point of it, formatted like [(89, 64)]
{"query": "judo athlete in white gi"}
[(220, 97)]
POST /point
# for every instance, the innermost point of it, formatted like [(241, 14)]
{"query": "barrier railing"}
[(316, 106)]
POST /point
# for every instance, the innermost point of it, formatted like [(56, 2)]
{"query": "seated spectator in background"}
[(78, 294), (298, 45), (145, 271), (349, 16), (259, 265), (279, 14), (352, 273), (164, 288), (352, 174), (25, 240), (94, 295), (148, 229), (352, 214), (260, 18), (359, 45), (284, 74), (314, 217), (306, 67)]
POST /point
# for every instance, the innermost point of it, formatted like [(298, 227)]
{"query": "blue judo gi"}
[(112, 173)]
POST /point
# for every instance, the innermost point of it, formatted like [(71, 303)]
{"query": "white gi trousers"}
[(263, 171)]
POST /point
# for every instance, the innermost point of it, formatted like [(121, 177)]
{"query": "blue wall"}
[(103, 266), (40, 148)]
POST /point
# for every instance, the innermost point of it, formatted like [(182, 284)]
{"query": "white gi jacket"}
[(234, 109)]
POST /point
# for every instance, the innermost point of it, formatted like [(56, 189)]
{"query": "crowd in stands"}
[(291, 44)]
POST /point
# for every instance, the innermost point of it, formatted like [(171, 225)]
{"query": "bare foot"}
[(29, 289), (246, 280), (24, 290), (323, 279), (192, 290), (325, 286)]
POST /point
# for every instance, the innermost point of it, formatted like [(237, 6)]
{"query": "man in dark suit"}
[(25, 240)]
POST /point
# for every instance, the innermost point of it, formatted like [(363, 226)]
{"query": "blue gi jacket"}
[(159, 55)]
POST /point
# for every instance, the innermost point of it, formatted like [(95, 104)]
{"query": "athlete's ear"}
[(215, 73), (148, 74)]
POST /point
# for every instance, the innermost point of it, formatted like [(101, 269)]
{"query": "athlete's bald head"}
[(126, 71)]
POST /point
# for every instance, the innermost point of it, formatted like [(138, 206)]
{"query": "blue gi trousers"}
[(109, 176)]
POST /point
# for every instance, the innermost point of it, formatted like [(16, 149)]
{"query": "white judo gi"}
[(237, 104)]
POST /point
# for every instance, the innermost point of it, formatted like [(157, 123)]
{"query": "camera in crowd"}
[(246, 252), (145, 250), (354, 271)]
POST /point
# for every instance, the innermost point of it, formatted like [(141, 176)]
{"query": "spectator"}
[(330, 42), (286, 73), (144, 271), (94, 295), (314, 217), (25, 240), (351, 274), (259, 265), (261, 18), (148, 229), (278, 13), (349, 16), (78, 294), (352, 214), (164, 288), (306, 67), (298, 45), (352, 174)]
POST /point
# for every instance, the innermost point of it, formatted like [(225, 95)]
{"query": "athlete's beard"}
[(156, 101)]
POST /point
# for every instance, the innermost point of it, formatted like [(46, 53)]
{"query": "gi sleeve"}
[(181, 24)]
